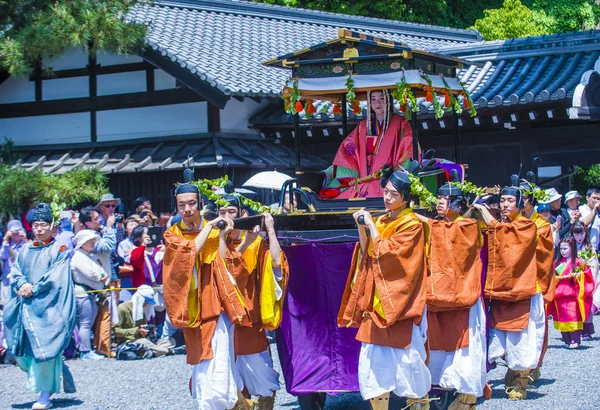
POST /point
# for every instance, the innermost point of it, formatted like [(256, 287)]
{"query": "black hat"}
[(449, 189), (400, 180), (140, 201), (187, 189), (42, 213), (514, 190), (233, 201)]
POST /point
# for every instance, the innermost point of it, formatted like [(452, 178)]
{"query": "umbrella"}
[(243, 191), (268, 180)]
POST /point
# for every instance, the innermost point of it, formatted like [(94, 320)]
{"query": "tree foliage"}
[(19, 187), (497, 18), (513, 20), (585, 177), (38, 29)]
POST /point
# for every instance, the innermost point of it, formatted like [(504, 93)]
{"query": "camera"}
[(143, 214), (119, 219)]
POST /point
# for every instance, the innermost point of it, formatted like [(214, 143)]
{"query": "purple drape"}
[(315, 354)]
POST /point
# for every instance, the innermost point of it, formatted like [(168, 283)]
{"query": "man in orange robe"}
[(546, 280), (516, 309), (455, 315), (385, 298), (202, 298), (263, 289)]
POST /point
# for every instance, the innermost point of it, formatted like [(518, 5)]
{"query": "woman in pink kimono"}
[(586, 252), (574, 289), (382, 138)]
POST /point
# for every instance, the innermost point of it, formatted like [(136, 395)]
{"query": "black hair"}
[(573, 245), (579, 227), (85, 215), (137, 233), (592, 190)]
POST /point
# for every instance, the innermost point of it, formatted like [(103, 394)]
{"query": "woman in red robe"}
[(382, 138)]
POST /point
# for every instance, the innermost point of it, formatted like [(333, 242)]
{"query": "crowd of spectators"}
[(117, 274)]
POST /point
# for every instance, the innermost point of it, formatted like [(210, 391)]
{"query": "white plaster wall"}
[(16, 90), (47, 129), (163, 81), (105, 59), (61, 88), (235, 115), (74, 58), (144, 122), (122, 83)]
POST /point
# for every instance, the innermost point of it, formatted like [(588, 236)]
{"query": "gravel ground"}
[(162, 384)]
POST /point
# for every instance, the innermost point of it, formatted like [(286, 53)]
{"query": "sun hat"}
[(83, 236), (553, 194), (107, 198), (572, 195)]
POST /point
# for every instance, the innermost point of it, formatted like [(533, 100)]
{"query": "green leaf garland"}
[(205, 187), (426, 198)]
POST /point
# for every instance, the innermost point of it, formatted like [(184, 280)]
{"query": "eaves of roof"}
[(164, 154)]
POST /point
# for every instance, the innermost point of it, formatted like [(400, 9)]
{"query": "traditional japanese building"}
[(198, 96)]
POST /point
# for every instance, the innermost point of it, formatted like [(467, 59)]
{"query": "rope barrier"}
[(101, 290)]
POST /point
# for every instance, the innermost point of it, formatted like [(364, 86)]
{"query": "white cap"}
[(571, 195)]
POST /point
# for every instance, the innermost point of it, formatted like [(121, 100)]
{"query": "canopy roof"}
[(322, 70)]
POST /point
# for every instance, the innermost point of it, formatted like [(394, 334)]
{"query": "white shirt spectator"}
[(594, 226), (86, 271)]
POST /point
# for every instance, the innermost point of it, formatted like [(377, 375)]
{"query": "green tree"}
[(570, 15), (418, 11), (34, 29), (585, 177), (513, 20)]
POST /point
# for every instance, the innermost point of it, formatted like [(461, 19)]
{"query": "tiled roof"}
[(165, 154), (526, 70), (512, 72), (223, 42)]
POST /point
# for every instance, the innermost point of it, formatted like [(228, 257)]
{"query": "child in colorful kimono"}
[(586, 252), (574, 290)]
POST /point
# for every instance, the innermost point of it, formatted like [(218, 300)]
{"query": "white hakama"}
[(258, 374), (384, 369), (463, 369), (216, 382), (521, 350)]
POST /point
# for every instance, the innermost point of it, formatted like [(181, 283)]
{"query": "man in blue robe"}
[(40, 315)]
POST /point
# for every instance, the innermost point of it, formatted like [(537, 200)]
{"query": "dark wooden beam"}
[(150, 77), (100, 70), (3, 76), (102, 103), (214, 118), (37, 77), (93, 81)]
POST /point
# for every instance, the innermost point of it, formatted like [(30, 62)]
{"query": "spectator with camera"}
[(589, 215), (146, 259), (126, 245), (143, 208), (14, 239), (134, 318)]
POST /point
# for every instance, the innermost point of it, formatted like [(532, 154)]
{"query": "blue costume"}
[(38, 328)]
